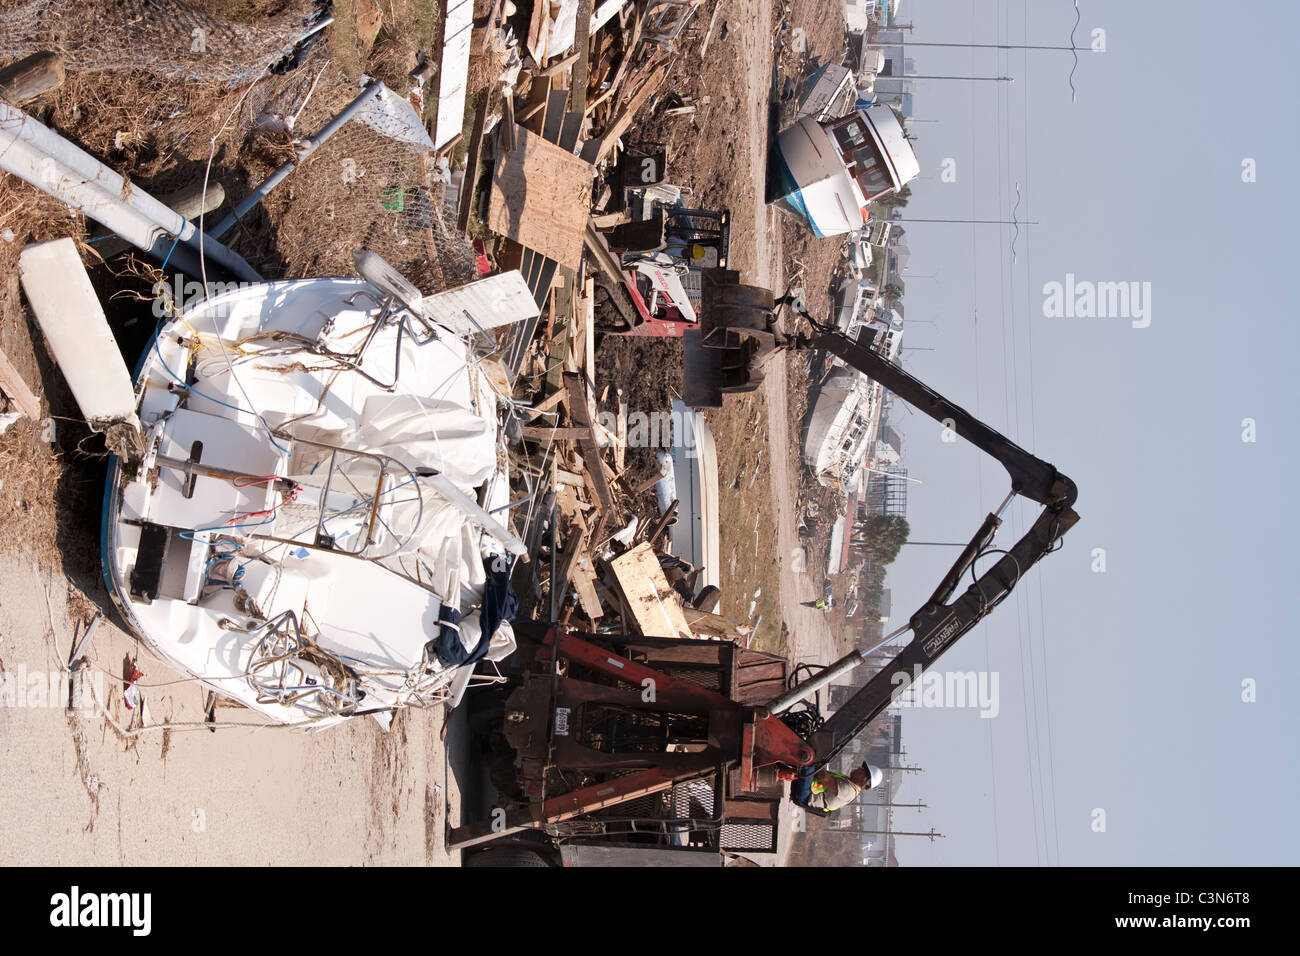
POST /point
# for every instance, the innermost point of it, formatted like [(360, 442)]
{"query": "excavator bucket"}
[(735, 335), (701, 373)]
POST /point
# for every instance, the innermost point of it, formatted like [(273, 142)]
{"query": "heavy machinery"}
[(596, 724)]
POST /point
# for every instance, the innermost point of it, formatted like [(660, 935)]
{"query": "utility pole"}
[(927, 76), (1002, 46), (932, 835), (987, 222)]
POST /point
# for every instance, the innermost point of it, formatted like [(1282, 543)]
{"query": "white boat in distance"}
[(827, 172), (307, 528)]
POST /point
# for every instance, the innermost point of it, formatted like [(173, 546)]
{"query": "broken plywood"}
[(541, 198), (654, 605)]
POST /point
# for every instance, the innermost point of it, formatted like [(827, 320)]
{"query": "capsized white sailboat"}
[(307, 523)]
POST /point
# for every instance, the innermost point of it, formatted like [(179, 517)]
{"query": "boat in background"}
[(827, 171)]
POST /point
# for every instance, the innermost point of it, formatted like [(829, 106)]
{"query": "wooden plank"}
[(541, 198), (453, 75), (12, 384), (471, 165), (580, 411), (533, 117), (706, 624), (588, 306), (655, 607), (620, 424), (538, 30), (555, 104), (545, 405), (31, 76), (584, 581), (546, 432), (577, 540), (581, 68)]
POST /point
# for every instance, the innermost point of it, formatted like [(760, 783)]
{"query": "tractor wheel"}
[(708, 599), (508, 856)]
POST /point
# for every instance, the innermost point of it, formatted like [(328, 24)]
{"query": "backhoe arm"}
[(938, 624)]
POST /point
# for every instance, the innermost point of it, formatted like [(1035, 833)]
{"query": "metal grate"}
[(694, 800), (749, 836)]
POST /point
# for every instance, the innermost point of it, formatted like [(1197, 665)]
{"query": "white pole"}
[(36, 154)]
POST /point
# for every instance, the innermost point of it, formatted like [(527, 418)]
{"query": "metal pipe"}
[(309, 146), (38, 155), (841, 667)]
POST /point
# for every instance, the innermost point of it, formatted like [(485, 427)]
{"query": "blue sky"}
[(1120, 691)]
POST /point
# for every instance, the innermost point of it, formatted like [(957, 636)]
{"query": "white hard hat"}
[(874, 775)]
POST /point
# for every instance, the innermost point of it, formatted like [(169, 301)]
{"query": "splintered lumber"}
[(655, 607), (572, 547), (471, 165), (31, 76), (560, 433), (627, 113), (12, 384), (580, 411), (541, 198), (707, 624), (583, 578)]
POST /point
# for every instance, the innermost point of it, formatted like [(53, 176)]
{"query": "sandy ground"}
[(77, 790)]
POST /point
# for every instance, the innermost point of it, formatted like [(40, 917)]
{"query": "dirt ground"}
[(720, 152)]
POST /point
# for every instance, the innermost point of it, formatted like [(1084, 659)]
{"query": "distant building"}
[(889, 447), (860, 14), (892, 88), (887, 491)]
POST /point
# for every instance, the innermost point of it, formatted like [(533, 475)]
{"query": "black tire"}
[(708, 599), (508, 856)]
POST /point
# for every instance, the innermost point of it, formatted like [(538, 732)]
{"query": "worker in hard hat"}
[(825, 791)]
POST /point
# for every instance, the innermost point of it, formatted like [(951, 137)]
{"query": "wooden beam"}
[(13, 385), (583, 577), (578, 84), (580, 411), (545, 432), (471, 165), (31, 76)]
